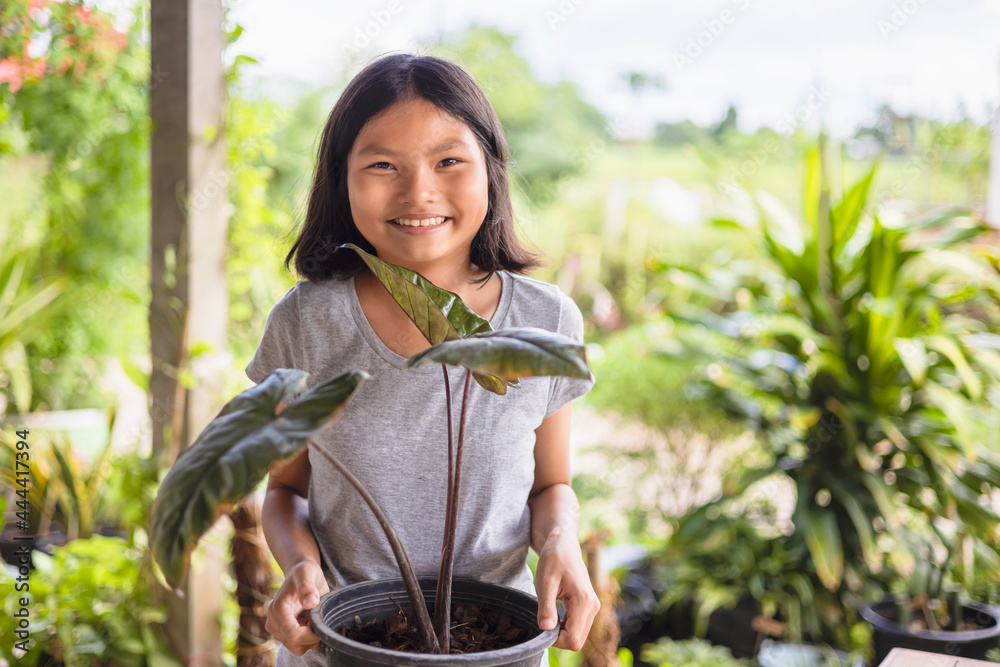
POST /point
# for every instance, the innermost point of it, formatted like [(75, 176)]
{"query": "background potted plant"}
[(863, 351), (254, 431), (928, 608)]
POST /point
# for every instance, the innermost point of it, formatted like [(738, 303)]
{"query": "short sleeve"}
[(280, 345), (562, 390)]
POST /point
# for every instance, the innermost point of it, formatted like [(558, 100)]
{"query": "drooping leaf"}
[(823, 540), (511, 353), (862, 526), (234, 453), (913, 354), (949, 348), (956, 407), (440, 315)]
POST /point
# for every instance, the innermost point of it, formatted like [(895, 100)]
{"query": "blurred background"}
[(778, 218)]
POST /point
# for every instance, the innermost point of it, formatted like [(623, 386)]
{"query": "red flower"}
[(10, 73)]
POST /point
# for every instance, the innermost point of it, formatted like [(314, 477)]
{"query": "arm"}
[(285, 521), (555, 517)]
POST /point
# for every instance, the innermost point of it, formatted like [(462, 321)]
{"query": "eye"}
[(454, 161), (380, 163)]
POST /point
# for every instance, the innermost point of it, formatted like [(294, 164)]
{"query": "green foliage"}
[(62, 489), (638, 380), (864, 353), (258, 216), (128, 494), (440, 315), (688, 653), (24, 306), (90, 604), (233, 454), (722, 553), (83, 106)]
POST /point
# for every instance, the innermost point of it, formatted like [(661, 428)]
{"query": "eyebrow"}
[(380, 150)]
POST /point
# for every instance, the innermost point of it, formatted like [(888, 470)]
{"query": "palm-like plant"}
[(866, 352)]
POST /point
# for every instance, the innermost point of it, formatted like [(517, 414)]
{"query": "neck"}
[(457, 278)]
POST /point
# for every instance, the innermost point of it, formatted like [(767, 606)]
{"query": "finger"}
[(574, 632), (308, 596), (547, 615), (302, 639), (581, 609)]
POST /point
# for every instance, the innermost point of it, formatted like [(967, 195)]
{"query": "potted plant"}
[(265, 425), (928, 609), (64, 494), (862, 348)]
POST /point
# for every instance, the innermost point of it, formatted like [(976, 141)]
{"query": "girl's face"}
[(417, 183)]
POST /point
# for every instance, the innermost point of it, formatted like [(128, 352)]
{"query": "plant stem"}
[(424, 625), (441, 620), (451, 527)]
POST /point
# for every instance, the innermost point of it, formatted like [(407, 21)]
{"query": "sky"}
[(807, 61)]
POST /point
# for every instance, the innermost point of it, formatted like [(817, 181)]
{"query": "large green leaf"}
[(862, 525), (439, 314), (823, 540), (511, 353), (913, 354), (234, 453)]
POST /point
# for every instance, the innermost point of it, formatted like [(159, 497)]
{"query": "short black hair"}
[(390, 79)]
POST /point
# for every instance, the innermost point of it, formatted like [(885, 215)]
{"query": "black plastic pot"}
[(970, 644), (374, 599)]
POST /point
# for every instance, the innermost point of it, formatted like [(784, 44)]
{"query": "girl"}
[(412, 167)]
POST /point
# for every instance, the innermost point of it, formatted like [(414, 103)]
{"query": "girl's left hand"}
[(562, 575)]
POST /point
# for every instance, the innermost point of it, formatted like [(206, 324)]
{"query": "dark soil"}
[(473, 629), (918, 625)]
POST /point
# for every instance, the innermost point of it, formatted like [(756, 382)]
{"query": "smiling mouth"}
[(426, 222)]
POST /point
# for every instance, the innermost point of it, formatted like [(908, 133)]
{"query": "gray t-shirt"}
[(393, 437)]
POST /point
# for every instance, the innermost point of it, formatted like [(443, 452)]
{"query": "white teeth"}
[(420, 223)]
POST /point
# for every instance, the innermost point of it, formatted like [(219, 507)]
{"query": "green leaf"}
[(440, 315), (847, 213), (134, 373), (812, 186), (882, 495), (779, 224), (949, 348), (913, 354), (511, 353), (726, 223), (823, 540), (862, 526), (16, 362), (234, 453), (956, 408)]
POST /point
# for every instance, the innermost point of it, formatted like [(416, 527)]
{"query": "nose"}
[(419, 186)]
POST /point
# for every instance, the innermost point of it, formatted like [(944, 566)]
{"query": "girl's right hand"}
[(288, 613)]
